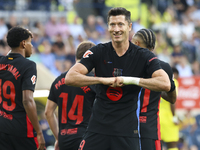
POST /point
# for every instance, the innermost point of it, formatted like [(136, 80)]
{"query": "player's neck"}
[(18, 50), (120, 48)]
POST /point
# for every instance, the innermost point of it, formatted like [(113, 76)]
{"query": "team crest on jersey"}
[(87, 53), (117, 72), (33, 79)]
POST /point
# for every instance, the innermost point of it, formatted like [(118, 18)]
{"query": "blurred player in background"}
[(74, 108), (18, 114), (150, 100), (169, 120)]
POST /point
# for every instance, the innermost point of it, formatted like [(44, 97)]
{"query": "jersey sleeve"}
[(30, 77), (166, 67), (153, 63), (52, 94), (89, 58)]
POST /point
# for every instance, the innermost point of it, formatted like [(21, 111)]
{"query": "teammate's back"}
[(13, 70), (74, 108), (19, 124)]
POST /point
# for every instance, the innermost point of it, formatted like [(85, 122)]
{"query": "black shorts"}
[(10, 142), (150, 144), (69, 145), (96, 141)]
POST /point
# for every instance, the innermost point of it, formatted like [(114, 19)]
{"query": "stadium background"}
[(60, 25)]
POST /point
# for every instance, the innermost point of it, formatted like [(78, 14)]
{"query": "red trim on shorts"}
[(158, 144), (158, 122), (29, 128), (36, 142), (145, 100)]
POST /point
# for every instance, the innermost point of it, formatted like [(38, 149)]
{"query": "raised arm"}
[(76, 76), (30, 108)]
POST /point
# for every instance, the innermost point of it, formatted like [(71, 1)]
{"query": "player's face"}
[(28, 47), (119, 28)]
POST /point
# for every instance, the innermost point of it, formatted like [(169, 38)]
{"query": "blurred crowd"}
[(176, 24)]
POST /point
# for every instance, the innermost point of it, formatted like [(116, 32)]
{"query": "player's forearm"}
[(79, 80), (52, 120), (169, 96), (74, 78), (156, 84), (173, 109), (31, 112)]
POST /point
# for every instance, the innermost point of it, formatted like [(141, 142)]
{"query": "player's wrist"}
[(131, 80), (175, 119)]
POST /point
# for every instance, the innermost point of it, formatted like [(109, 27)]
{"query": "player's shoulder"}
[(28, 61), (102, 46), (164, 65)]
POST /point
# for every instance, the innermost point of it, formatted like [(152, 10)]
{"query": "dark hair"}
[(16, 35), (174, 70), (82, 48), (148, 37), (119, 11)]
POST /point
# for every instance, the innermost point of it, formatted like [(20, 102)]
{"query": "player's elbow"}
[(173, 101), (166, 86), (48, 113)]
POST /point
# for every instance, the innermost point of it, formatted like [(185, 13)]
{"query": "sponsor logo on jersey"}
[(87, 53), (33, 79), (107, 62), (69, 131), (114, 94), (143, 119)]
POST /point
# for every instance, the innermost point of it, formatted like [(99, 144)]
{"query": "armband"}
[(131, 80)]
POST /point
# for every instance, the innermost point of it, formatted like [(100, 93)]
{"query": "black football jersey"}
[(16, 74), (74, 107), (115, 109), (149, 108)]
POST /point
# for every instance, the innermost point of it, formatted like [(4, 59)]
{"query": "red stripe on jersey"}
[(152, 59), (29, 127), (36, 142), (158, 122), (158, 144), (145, 100)]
